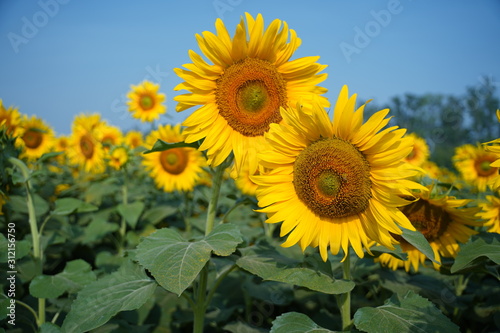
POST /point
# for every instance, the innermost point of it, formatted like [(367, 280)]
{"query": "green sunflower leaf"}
[(131, 212), (269, 264), (66, 206), (408, 313), (127, 289), (175, 262), (161, 145), (480, 247), (294, 322), (418, 240), (74, 277)]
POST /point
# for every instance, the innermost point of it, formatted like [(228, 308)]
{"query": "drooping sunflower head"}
[(145, 102), (11, 119), (443, 220), (133, 139), (85, 149), (336, 184), (37, 138), (175, 169), (241, 89), (420, 152), (475, 165)]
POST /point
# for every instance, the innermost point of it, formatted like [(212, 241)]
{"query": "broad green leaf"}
[(67, 206), (131, 212), (485, 245), (19, 204), (175, 262), (161, 145), (410, 313), (418, 240), (157, 214), (241, 327), (49, 328), (267, 263), (396, 253), (97, 229), (127, 289), (47, 156), (74, 277), (21, 249), (294, 322), (4, 310)]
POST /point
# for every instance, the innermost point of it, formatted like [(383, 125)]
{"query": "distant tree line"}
[(447, 121)]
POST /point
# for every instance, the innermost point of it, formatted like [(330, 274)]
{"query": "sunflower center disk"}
[(429, 219), (146, 102), (332, 178), (32, 139), (174, 160), (249, 95), (483, 167), (87, 146)]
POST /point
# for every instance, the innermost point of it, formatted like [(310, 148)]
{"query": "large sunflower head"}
[(85, 149), (37, 138), (145, 102), (490, 212), (240, 90), (173, 169), (420, 152), (475, 165), (443, 220), (336, 184), (11, 119)]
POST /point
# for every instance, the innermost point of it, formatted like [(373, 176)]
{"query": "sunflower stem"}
[(200, 304), (123, 226), (345, 299), (214, 198)]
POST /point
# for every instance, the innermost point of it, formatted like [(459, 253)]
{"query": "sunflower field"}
[(269, 209)]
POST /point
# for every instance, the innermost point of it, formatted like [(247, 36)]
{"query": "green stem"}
[(30, 309), (345, 299), (214, 198), (218, 282), (200, 304), (123, 224)]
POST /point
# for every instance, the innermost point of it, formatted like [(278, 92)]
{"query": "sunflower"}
[(85, 149), (474, 165), (118, 157), (241, 91), (443, 220), (336, 184), (243, 181), (491, 213), (173, 169), (420, 152), (110, 135), (493, 147), (37, 138), (133, 139), (145, 102), (11, 118)]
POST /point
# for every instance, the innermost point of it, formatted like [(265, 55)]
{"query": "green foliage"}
[(175, 262), (473, 254), (293, 322), (408, 313), (161, 145)]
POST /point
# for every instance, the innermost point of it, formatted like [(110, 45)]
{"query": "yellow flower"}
[(420, 153), (474, 165), (243, 181), (145, 102), (133, 139), (336, 184), (173, 169), (85, 149), (37, 138), (110, 135), (493, 147), (491, 213), (11, 118), (443, 220), (118, 157), (241, 91)]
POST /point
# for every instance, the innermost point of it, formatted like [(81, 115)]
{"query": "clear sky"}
[(59, 58)]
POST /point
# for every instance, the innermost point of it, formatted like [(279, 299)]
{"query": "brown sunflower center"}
[(430, 220), (174, 160), (146, 102), (332, 178), (32, 138), (249, 95), (483, 168), (87, 146)]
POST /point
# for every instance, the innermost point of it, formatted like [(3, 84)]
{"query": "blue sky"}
[(59, 58)]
